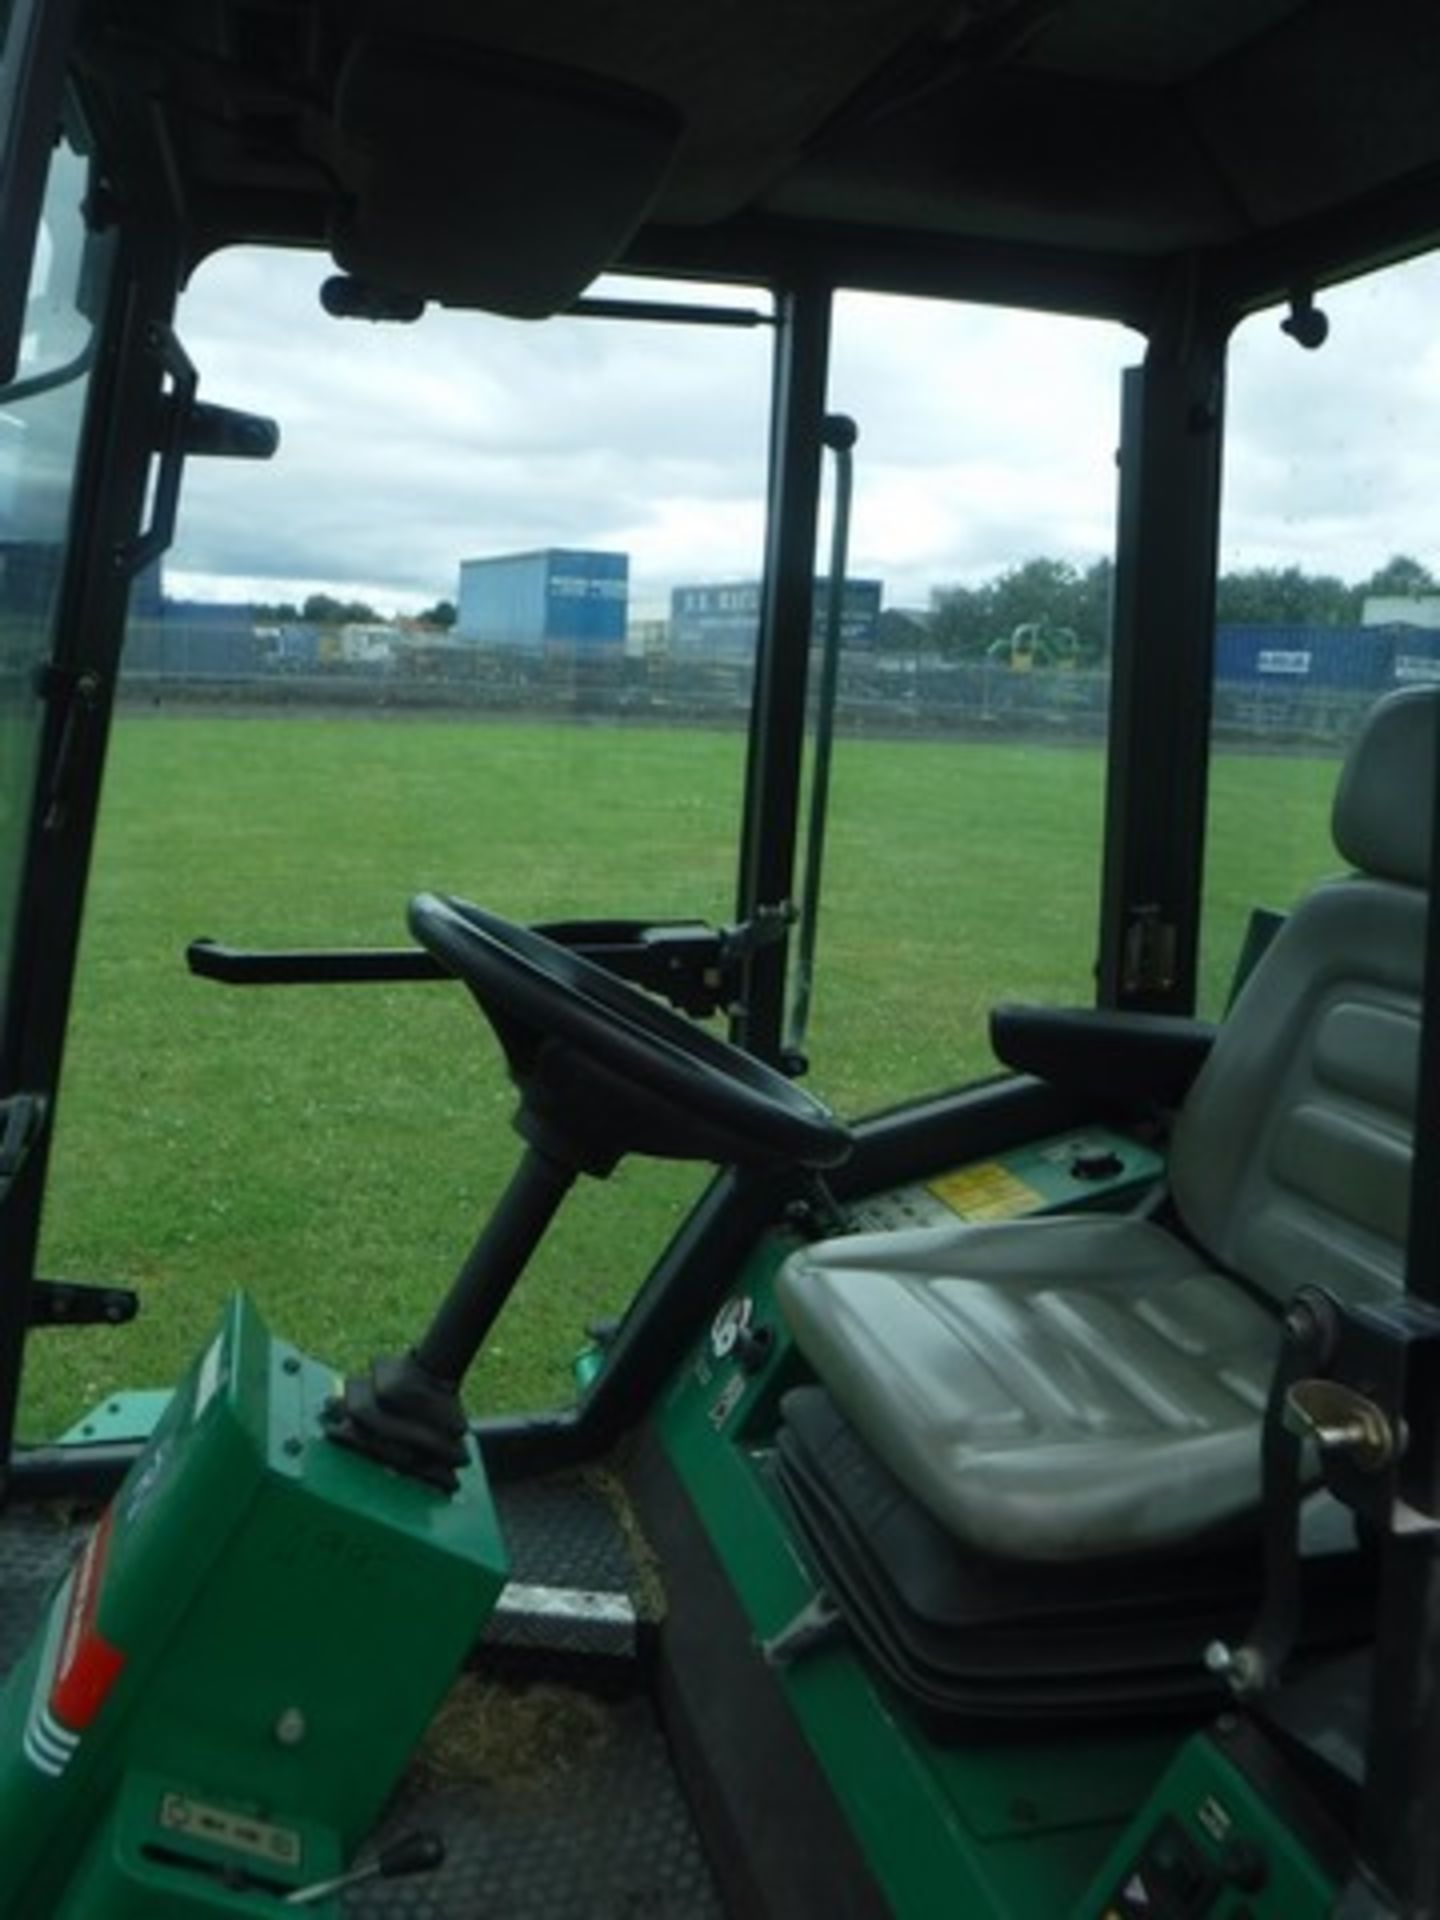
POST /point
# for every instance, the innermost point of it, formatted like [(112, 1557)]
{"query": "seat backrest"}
[(1291, 1158)]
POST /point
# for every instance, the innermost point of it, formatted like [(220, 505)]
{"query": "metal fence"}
[(894, 695)]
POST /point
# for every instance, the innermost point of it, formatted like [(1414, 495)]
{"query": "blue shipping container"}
[(559, 595), (1350, 659)]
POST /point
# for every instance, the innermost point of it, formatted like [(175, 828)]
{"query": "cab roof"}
[(500, 152)]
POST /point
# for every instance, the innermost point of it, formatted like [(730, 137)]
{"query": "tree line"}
[(965, 622), (325, 610)]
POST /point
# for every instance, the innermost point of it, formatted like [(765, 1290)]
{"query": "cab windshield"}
[(487, 625)]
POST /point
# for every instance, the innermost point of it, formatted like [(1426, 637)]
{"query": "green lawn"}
[(334, 1150)]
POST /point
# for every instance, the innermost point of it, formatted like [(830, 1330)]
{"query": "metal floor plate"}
[(566, 1531), (598, 1832), (579, 1579)]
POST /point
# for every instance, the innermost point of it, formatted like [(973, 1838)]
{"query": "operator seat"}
[(1082, 1389)]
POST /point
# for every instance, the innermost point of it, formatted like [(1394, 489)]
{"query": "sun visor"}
[(486, 181)]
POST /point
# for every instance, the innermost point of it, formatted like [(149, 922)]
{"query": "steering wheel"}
[(604, 1069)]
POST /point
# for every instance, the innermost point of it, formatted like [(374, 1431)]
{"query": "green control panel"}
[(1208, 1846), (1091, 1168)]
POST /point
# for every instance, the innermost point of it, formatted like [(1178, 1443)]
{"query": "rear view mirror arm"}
[(689, 963)]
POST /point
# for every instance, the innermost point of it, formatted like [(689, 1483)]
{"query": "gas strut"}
[(838, 432)]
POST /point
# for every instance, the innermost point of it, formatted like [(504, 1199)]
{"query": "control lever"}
[(1310, 1335), (415, 1853)]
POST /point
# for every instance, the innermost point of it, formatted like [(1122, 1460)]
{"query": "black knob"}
[(1244, 1865), (752, 1346)]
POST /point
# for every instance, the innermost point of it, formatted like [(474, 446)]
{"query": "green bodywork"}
[(1004, 1828), (243, 1660), (130, 1416), (273, 1620)]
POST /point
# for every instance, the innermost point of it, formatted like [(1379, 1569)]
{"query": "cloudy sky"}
[(986, 438)]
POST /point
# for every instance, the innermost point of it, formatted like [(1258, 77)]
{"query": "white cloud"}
[(1333, 456), (985, 438)]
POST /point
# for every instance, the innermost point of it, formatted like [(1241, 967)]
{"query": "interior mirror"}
[(490, 181)]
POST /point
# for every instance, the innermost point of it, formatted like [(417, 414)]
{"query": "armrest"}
[(1149, 1057)]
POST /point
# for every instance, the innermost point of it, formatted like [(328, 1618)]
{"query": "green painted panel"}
[(1092, 1169), (129, 1872), (1202, 1810), (263, 1621), (129, 1416)]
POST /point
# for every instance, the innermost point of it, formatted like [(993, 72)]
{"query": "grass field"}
[(334, 1150)]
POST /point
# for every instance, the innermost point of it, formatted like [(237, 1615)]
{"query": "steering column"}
[(602, 1070)]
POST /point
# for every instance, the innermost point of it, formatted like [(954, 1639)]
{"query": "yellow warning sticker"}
[(988, 1190)]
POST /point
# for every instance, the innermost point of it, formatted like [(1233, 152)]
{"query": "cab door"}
[(65, 339)]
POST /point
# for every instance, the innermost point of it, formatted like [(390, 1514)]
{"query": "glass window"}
[(429, 645), (963, 848), (1329, 591), (41, 414)]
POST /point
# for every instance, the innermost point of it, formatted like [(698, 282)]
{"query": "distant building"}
[(905, 629), (1414, 621), (722, 622), (292, 647), (367, 644), (560, 597), (647, 639), (1401, 610), (207, 613)]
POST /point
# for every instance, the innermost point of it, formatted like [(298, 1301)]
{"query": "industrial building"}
[(721, 622), (559, 598)]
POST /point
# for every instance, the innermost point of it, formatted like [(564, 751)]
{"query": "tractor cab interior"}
[(1005, 1480)]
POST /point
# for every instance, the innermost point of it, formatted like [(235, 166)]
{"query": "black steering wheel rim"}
[(532, 987)]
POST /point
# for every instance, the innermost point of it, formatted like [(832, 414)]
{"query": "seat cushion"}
[(1060, 1389), (1291, 1159), (1382, 819)]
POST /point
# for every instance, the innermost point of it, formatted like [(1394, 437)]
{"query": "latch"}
[(21, 1118), (1151, 943)]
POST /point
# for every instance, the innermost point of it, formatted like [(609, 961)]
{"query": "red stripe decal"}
[(88, 1665)]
